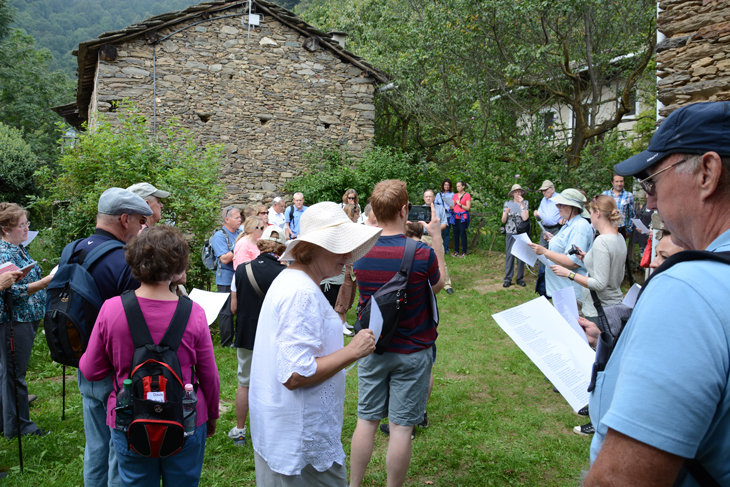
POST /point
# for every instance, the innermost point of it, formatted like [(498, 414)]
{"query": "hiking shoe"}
[(584, 430), (38, 432), (238, 436), (583, 411), (521, 283), (385, 429), (507, 284), (347, 332), (450, 291), (424, 423)]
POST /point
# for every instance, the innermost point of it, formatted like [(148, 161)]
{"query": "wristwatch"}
[(571, 276)]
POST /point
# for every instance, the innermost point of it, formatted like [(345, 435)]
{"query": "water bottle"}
[(190, 415), (124, 406)]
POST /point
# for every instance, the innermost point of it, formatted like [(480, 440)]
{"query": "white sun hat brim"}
[(327, 225)]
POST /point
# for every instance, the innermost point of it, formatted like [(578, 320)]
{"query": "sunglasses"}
[(263, 212), (350, 197), (228, 210), (259, 228), (649, 186)]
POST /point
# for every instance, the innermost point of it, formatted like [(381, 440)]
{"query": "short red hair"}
[(388, 198)]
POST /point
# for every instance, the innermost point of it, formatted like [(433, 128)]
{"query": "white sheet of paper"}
[(640, 225), (522, 250), (210, 302), (547, 339), (565, 302), (541, 226), (376, 320), (53, 271), (31, 235), (632, 296)]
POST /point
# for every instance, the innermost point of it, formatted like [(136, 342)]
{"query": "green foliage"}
[(120, 155), (17, 165), (331, 172), (28, 90), (60, 25)]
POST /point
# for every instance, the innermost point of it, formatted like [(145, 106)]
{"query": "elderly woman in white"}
[(297, 391)]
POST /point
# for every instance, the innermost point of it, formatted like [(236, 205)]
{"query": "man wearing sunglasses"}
[(662, 406), (120, 217)]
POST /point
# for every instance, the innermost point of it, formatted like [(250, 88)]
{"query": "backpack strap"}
[(408, 255), (252, 280), (99, 251), (68, 252), (178, 324), (135, 319)]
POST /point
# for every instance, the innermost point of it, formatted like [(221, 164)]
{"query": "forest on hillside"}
[(59, 25)]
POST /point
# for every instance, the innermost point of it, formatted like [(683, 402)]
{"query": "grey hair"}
[(107, 219), (692, 165), (430, 191), (367, 210), (298, 194)]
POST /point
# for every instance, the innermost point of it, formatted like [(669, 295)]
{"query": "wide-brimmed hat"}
[(326, 225), (693, 129), (514, 188), (572, 197), (547, 184)]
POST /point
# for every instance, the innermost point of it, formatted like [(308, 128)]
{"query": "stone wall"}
[(693, 61), (267, 99)]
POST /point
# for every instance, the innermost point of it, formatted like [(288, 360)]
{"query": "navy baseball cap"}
[(694, 129)]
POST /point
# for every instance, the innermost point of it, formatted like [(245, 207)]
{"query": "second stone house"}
[(250, 75)]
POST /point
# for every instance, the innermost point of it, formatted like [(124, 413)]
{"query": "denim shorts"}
[(244, 366), (394, 385)]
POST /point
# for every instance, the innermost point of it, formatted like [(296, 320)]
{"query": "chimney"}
[(339, 37)]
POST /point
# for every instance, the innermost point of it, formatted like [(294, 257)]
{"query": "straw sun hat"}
[(514, 188), (326, 225), (572, 197)]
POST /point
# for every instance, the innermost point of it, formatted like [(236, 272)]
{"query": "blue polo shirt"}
[(293, 220), (224, 274), (666, 383)]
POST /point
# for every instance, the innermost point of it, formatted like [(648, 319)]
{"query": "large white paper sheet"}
[(547, 339), (31, 235), (376, 319), (632, 296), (521, 249), (565, 302), (210, 302), (640, 225)]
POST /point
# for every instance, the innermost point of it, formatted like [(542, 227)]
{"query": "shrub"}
[(17, 165)]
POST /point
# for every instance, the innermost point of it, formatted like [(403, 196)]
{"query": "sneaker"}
[(347, 332), (238, 436), (584, 430), (455, 254), (583, 411), (521, 283), (424, 423), (385, 429), (463, 256), (349, 326), (450, 291), (38, 432)]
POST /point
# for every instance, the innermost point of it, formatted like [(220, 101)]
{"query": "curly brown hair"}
[(10, 214), (157, 254), (271, 247)]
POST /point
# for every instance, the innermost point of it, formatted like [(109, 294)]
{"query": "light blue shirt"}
[(666, 383), (444, 199), (548, 212), (441, 213), (294, 220), (224, 274), (578, 232)]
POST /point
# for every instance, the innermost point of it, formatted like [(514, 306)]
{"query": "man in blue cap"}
[(662, 406), (120, 217)]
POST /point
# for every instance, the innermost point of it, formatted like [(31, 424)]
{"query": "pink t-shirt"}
[(111, 349), (458, 209), (245, 251)]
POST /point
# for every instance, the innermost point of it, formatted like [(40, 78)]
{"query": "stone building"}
[(693, 59), (267, 85)]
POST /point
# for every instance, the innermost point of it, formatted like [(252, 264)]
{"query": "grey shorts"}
[(335, 476), (394, 385), (244, 366)]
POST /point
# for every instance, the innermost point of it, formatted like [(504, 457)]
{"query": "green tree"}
[(119, 155), (17, 166)]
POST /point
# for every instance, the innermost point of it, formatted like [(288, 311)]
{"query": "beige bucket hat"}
[(572, 197), (327, 225), (514, 188)]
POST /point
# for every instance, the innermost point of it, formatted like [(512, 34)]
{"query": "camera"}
[(573, 250), (419, 213)]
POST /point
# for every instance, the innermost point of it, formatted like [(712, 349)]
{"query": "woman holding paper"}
[(576, 232), (28, 297), (297, 386), (515, 213)]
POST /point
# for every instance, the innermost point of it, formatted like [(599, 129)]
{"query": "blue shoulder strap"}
[(68, 251), (99, 251)]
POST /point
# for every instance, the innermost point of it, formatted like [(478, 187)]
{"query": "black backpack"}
[(392, 298), (157, 429), (208, 256), (72, 294)]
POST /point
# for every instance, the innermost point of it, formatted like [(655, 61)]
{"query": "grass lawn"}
[(494, 419)]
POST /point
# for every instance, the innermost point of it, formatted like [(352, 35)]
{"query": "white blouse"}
[(293, 429)]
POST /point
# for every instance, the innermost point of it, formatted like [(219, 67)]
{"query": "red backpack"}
[(157, 429)]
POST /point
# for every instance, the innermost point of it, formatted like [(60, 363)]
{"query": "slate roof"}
[(88, 51)]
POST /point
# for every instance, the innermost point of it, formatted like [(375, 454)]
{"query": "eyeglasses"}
[(142, 220), (24, 225), (649, 186)]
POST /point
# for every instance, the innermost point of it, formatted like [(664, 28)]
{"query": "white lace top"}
[(293, 429)]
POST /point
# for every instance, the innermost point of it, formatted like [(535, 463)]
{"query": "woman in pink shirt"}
[(246, 249), (462, 205), (156, 257)]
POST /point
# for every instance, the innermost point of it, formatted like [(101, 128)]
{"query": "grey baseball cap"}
[(115, 201), (144, 190)]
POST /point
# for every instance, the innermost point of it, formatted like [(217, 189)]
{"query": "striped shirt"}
[(417, 330)]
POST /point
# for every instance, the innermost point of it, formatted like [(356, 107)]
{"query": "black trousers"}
[(225, 318)]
